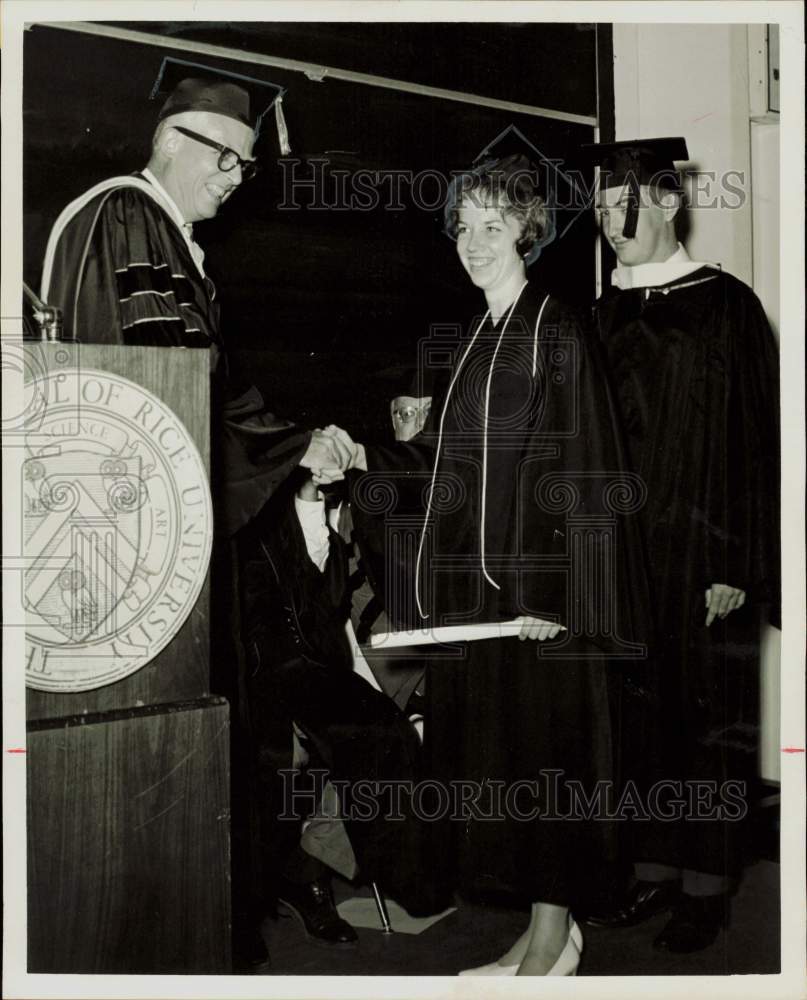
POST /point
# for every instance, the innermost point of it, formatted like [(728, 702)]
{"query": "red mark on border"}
[(17, 750), (792, 749)]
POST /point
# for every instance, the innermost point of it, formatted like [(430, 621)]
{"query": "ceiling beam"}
[(311, 70)]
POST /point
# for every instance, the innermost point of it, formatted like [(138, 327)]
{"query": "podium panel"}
[(128, 842), (128, 819), (102, 425)]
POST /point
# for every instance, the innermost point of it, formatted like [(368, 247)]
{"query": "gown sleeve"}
[(255, 451), (590, 479), (743, 469)]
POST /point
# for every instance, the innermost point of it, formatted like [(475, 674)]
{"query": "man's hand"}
[(721, 599), (358, 459), (308, 491), (537, 628), (326, 456)]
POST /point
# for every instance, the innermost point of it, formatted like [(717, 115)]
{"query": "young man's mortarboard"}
[(636, 162), (187, 86)]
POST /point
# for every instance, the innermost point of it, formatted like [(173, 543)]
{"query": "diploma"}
[(469, 632)]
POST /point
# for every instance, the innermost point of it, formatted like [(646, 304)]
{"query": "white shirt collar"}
[(171, 203), (657, 272), (186, 228)]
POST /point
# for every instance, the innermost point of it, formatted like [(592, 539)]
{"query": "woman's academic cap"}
[(187, 86), (511, 152), (510, 142)]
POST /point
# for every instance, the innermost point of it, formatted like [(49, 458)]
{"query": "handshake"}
[(331, 453)]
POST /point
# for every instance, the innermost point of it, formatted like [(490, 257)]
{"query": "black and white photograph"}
[(403, 485)]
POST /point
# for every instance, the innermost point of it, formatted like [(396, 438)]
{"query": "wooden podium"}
[(127, 780)]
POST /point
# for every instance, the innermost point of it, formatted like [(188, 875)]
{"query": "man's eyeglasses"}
[(228, 158)]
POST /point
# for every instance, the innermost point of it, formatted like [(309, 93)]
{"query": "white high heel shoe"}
[(576, 934), (566, 965), (491, 969), (569, 959)]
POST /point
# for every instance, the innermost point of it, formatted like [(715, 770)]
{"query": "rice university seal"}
[(117, 529)]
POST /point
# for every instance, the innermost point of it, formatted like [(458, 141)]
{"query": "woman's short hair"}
[(512, 185)]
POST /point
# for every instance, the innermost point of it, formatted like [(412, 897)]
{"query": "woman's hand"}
[(357, 459), (325, 451), (537, 628)]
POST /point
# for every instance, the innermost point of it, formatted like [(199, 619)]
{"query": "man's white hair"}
[(196, 120)]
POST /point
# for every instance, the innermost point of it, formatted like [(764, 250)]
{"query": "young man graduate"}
[(696, 372)]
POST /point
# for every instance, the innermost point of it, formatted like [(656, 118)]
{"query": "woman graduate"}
[(521, 523)]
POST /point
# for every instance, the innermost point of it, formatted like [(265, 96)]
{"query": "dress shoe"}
[(569, 959), (694, 924), (491, 969), (576, 934), (313, 905), (566, 964), (643, 900)]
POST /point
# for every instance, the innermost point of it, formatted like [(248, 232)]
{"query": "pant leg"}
[(281, 796), (373, 756)]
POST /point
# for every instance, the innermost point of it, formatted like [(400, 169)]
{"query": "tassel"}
[(282, 130), (634, 195)]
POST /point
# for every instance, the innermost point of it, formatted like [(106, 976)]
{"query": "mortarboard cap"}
[(510, 142), (511, 152), (648, 160), (636, 162), (187, 86)]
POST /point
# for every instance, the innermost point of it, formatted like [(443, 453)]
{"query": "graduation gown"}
[(122, 272), (696, 371), (520, 470), (507, 479)]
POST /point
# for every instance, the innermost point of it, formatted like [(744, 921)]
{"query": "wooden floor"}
[(473, 935)]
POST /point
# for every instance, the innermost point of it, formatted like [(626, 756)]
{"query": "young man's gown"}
[(695, 368)]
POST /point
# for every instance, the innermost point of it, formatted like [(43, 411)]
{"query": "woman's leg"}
[(538, 950), (546, 938)]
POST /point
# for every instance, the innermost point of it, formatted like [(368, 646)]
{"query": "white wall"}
[(692, 80), (700, 81), (765, 160)]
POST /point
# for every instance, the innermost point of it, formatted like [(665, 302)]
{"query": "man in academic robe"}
[(696, 373), (124, 268)]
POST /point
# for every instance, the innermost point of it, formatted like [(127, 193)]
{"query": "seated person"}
[(300, 674), (401, 675)]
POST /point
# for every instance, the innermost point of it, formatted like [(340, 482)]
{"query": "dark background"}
[(323, 307)]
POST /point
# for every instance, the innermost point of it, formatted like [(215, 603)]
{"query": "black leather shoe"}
[(313, 905), (643, 901), (694, 925)]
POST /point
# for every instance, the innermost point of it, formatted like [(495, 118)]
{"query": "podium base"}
[(128, 841)]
